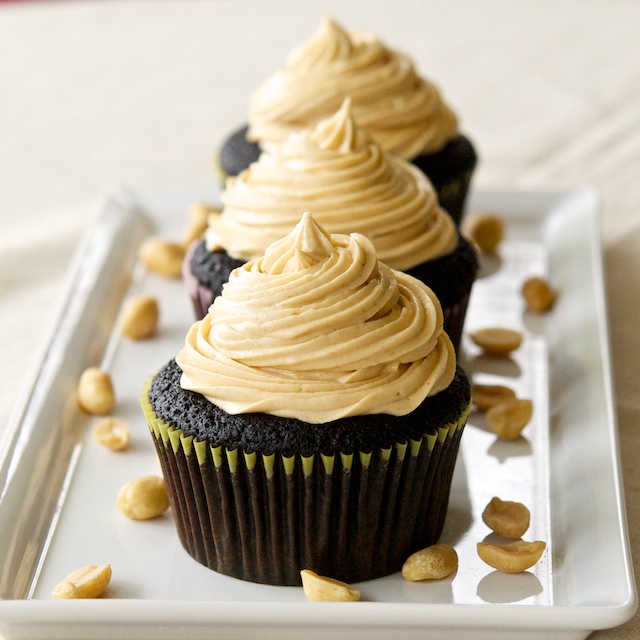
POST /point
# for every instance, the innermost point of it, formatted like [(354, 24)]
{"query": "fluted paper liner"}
[(450, 171), (263, 517)]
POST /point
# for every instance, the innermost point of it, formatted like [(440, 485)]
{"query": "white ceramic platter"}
[(58, 486)]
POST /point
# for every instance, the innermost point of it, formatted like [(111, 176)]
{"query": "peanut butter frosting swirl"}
[(337, 171), (318, 329), (404, 112)]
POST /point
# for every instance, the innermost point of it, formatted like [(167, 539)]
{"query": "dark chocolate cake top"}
[(261, 432)]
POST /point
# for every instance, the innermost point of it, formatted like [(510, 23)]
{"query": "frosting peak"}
[(307, 245), (330, 42), (317, 329), (339, 132), (337, 171), (403, 112)]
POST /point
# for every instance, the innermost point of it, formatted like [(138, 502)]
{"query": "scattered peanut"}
[(113, 433), (486, 396), (496, 341), (538, 295), (432, 563), (95, 391), (139, 317), (197, 222), (506, 518), (87, 582), (485, 229), (143, 498), (511, 557), (322, 589), (509, 418), (162, 256)]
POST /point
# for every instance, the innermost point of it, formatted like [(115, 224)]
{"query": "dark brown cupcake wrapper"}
[(201, 296), (264, 517), (453, 320), (452, 195)]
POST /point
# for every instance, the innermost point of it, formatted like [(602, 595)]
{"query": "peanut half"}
[(95, 391), (431, 563), (322, 589), (506, 518), (197, 222), (87, 582), (162, 256), (511, 557), (485, 229), (143, 498), (139, 317), (497, 341), (509, 418), (538, 295), (486, 396), (113, 433)]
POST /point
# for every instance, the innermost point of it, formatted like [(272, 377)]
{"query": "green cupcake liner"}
[(263, 517)]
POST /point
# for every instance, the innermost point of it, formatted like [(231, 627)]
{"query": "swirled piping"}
[(404, 112), (337, 171), (318, 329)]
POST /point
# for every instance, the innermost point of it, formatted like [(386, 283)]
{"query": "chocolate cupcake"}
[(402, 111), (313, 418), (341, 174)]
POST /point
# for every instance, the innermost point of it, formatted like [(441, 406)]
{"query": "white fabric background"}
[(96, 93)]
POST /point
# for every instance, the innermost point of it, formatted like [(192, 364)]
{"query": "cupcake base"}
[(449, 170), (204, 273), (236, 154), (263, 516), (451, 278)]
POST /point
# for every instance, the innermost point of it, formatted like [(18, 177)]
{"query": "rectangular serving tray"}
[(58, 486)]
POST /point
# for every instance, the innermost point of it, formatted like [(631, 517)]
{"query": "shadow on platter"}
[(502, 588)]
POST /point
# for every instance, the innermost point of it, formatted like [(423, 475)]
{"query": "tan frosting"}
[(317, 329), (340, 174), (403, 112)]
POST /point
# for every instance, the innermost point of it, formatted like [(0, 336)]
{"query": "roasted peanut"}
[(197, 222), (143, 498), (87, 582), (511, 557), (432, 563), (95, 391), (139, 317), (322, 589), (485, 396), (538, 295), (497, 341), (506, 518), (113, 433), (485, 229), (162, 256), (509, 418)]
